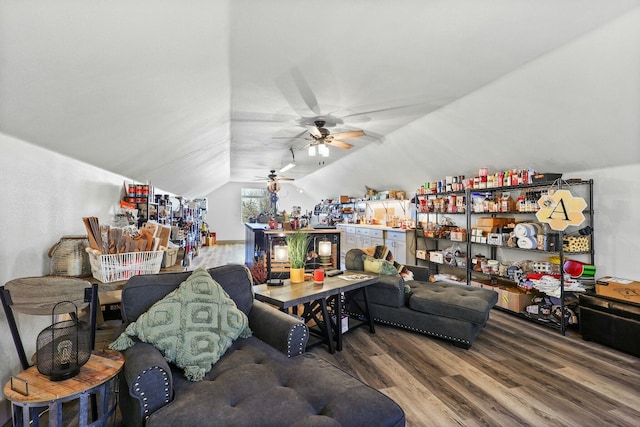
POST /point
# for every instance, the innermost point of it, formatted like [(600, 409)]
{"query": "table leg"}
[(358, 308), (311, 310), (327, 324), (365, 295), (26, 416), (339, 322), (55, 414)]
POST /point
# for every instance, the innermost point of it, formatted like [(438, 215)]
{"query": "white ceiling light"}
[(287, 167), (323, 150), (291, 164), (312, 150)]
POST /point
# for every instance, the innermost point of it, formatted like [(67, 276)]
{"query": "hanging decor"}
[(561, 209)]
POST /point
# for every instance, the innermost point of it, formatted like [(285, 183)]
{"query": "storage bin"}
[(169, 257), (115, 267), (576, 244)]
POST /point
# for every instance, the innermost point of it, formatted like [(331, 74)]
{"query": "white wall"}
[(617, 219), (223, 216), (44, 195)]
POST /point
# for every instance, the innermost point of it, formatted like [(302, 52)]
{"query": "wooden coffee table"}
[(316, 299)]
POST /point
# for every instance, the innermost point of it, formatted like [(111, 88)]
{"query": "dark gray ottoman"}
[(466, 303), (452, 312)]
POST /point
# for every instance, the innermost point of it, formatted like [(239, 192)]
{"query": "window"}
[(254, 202)]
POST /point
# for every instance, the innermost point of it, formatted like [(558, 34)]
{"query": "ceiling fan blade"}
[(281, 178), (305, 90), (338, 143), (315, 132), (241, 116), (350, 134), (298, 136), (407, 110), (297, 92)]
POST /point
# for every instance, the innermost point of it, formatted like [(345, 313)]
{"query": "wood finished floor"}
[(517, 373)]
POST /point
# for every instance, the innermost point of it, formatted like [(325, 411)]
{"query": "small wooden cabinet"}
[(402, 244)]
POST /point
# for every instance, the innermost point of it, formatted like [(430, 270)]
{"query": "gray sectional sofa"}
[(449, 311), (263, 380)]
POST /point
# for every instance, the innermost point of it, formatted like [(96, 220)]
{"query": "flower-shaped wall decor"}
[(561, 209)]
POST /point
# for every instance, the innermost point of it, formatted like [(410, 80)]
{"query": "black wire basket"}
[(63, 347)]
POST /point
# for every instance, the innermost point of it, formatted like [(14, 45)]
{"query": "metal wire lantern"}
[(63, 347)]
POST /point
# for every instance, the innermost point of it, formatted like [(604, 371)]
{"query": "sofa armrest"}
[(280, 330), (148, 382), (420, 273)]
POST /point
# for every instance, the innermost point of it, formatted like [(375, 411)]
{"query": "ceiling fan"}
[(273, 181), (320, 135)]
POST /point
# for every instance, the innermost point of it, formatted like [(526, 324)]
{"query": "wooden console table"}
[(33, 390)]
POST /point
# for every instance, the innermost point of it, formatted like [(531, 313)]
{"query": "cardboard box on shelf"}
[(513, 300), (618, 288), (486, 229), (494, 221), (507, 204), (459, 236)]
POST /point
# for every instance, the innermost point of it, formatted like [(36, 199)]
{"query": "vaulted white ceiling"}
[(193, 94)]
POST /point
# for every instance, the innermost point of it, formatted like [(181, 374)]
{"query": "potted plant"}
[(297, 247)]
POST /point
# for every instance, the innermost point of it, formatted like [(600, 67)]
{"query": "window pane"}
[(254, 202)]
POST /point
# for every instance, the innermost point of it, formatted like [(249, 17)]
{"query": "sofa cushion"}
[(455, 301), (141, 292), (353, 260), (255, 385), (388, 290), (192, 326)]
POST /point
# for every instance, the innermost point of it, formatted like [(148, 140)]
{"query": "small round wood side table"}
[(31, 389)]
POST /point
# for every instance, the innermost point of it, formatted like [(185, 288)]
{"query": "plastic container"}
[(116, 267)]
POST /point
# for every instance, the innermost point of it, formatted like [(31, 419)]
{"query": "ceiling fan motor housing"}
[(324, 132)]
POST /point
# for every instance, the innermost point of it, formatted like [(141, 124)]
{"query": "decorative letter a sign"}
[(561, 210)]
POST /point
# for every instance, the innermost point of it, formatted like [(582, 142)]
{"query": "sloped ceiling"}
[(190, 94)]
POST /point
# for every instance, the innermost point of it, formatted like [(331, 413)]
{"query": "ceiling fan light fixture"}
[(323, 150), (312, 150)]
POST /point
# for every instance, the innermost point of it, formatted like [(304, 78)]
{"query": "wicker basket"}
[(115, 267), (69, 257)]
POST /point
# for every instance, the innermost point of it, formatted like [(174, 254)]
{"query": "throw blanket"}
[(383, 252)]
